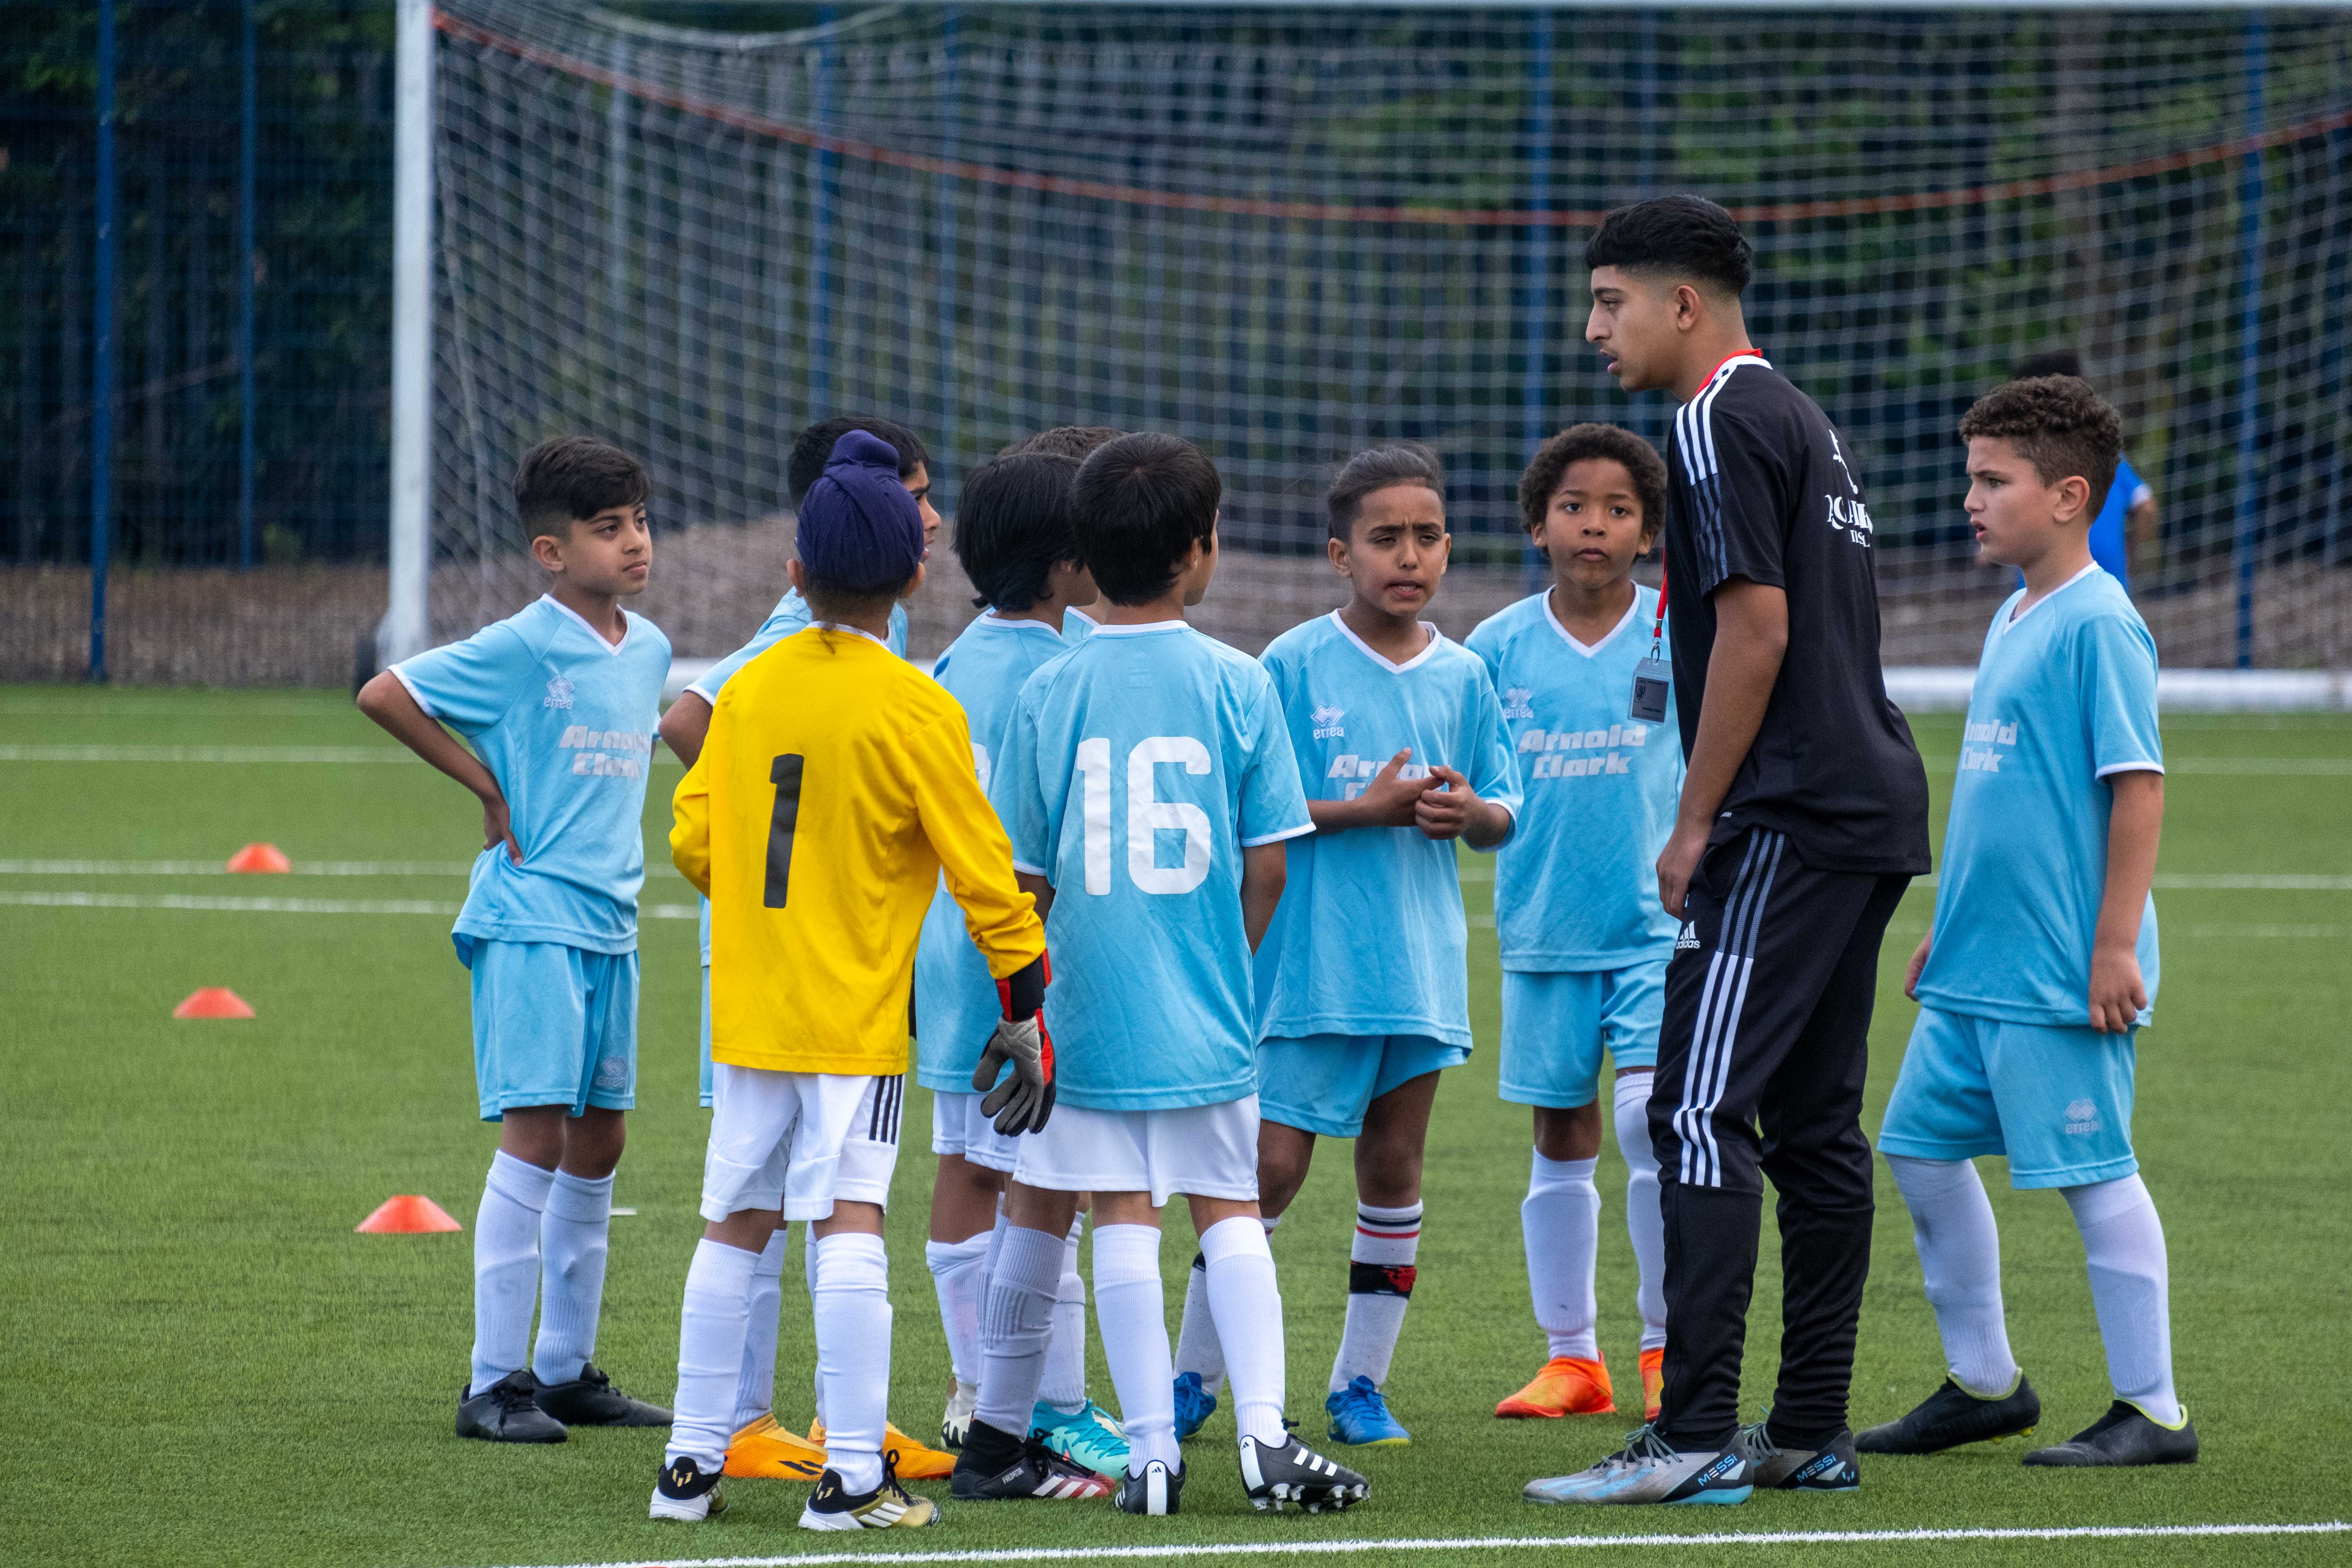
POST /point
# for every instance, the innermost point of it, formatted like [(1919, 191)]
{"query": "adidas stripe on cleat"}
[(1294, 1473), (887, 1506), (1953, 1416), (1829, 1469), (1156, 1490), (686, 1494), (996, 1467)]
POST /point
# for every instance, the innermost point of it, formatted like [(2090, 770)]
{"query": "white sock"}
[(573, 1242), (1645, 1223), (2130, 1287), (1197, 1349), (506, 1266), (1959, 1254), (1380, 1287), (852, 1309), (1559, 1223), (1133, 1317), (710, 1352), (1247, 1303), (960, 1278), (755, 1387), (808, 1273), (1020, 1314), (1064, 1387)]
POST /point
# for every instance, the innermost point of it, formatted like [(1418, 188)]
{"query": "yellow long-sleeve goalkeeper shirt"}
[(834, 786)]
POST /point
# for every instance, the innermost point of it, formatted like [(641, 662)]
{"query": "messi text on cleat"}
[(1830, 1467), (686, 1493), (1648, 1469), (1294, 1473), (887, 1506)]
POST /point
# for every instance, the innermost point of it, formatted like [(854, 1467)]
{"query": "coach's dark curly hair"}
[(1577, 442), (2058, 424)]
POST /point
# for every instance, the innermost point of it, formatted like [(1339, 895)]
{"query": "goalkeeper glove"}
[(1026, 1098)]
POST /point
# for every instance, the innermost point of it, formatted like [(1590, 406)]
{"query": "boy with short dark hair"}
[(834, 793), (2024, 1047), (1147, 785), (1584, 941), (1015, 539), (1402, 751), (1075, 442), (558, 703)]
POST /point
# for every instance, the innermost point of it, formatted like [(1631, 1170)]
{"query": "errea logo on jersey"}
[(1517, 703), (558, 693), (1327, 723)]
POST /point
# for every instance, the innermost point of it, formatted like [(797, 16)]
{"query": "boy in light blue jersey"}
[(558, 704), (2041, 961), (1013, 538), (761, 1449), (1402, 749), (1148, 786), (1583, 938)]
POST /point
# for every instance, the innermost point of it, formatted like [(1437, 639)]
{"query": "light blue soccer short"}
[(553, 1024), (1556, 1023), (706, 1037), (2055, 1099), (1323, 1083)]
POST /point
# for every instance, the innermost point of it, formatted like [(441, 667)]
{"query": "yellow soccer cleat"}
[(1568, 1386), (909, 1459), (1654, 1381), (765, 1451)]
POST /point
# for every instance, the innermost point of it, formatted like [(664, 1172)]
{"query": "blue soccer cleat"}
[(1647, 1470), (1087, 1436), (1361, 1418), (1194, 1404)]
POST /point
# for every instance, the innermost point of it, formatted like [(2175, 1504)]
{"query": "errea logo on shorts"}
[(612, 1073), (2082, 1119), (595, 746), (1327, 723)]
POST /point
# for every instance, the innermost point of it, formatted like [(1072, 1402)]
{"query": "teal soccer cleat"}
[(1194, 1404), (1361, 1418), (1087, 1436)]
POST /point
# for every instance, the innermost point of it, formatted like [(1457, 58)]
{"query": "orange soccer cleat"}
[(765, 1451), (914, 1462), (1654, 1379), (1568, 1386)]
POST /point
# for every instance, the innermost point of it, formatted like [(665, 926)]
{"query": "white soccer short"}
[(799, 1141), (958, 1128), (1206, 1151)]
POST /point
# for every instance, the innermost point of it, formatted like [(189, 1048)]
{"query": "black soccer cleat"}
[(996, 1467), (2125, 1435), (1156, 1490), (1951, 1416), (591, 1400), (1832, 1467), (1294, 1473), (686, 1494), (507, 1412)]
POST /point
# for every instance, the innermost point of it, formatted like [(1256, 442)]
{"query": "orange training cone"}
[(260, 857), (214, 1002), (407, 1215)]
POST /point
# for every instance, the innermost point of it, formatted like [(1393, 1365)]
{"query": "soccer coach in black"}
[(1803, 817)]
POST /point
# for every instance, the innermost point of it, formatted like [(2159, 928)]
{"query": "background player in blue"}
[(2128, 521), (762, 1448), (1585, 940), (1148, 786), (1013, 538), (1362, 995), (2041, 963), (558, 703)]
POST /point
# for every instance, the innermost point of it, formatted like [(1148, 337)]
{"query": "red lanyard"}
[(1658, 630)]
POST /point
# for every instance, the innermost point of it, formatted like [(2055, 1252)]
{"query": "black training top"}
[(1758, 487)]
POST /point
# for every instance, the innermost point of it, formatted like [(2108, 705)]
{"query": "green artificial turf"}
[(208, 1367)]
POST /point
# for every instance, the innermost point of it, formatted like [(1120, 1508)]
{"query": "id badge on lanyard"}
[(1654, 677)]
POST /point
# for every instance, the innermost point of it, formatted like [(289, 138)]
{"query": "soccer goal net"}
[(1287, 232)]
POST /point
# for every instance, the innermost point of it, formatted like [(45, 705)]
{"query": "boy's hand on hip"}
[(1677, 864), (2117, 993), (497, 829)]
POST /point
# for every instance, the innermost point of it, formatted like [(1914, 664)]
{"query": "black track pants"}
[(1767, 1019)]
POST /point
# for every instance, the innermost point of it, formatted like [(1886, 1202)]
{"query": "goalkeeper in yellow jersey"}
[(835, 787)]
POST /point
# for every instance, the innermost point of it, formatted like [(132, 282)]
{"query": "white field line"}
[(2186, 881), (220, 868), (1493, 1543)]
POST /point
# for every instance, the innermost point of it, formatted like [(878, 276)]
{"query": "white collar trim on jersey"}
[(853, 631), (997, 623), (1428, 649), (1178, 624), (1632, 612), (581, 621), (2013, 617)]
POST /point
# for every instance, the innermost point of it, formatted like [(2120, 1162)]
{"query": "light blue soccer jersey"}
[(1369, 936), (1137, 767), (2065, 694), (1577, 887), (564, 721), (955, 1007), (791, 615)]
